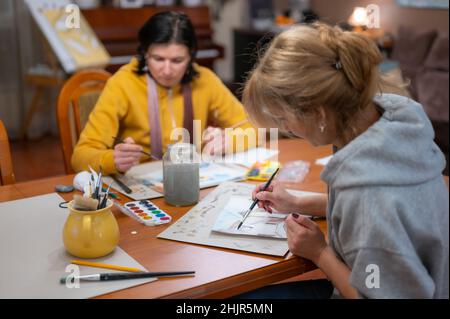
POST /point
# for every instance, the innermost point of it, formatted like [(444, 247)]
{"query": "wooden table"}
[(220, 273)]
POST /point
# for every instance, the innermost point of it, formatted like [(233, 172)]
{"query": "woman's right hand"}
[(276, 197), (126, 155)]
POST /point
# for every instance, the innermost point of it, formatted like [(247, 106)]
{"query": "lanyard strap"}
[(154, 119), (188, 119)]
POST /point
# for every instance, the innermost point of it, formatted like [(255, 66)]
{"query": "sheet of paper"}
[(141, 188), (248, 158), (211, 174), (141, 178), (323, 161), (196, 225), (33, 255), (259, 223)]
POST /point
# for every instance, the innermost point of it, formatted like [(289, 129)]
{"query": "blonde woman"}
[(387, 206)]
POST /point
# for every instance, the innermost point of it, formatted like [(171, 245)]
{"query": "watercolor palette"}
[(147, 213)]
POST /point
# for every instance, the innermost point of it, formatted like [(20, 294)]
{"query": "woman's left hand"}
[(305, 239), (214, 140)]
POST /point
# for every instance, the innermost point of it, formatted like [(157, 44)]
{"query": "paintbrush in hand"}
[(142, 152)]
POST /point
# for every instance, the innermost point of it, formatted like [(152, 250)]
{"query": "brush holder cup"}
[(91, 234)]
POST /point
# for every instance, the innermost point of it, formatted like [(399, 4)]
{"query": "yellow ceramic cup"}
[(91, 234)]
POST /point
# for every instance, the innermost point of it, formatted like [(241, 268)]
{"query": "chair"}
[(6, 169), (76, 100)]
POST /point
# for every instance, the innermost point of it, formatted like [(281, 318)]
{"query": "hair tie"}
[(337, 65)]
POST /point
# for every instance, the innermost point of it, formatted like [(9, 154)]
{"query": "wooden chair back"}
[(76, 100), (6, 167)]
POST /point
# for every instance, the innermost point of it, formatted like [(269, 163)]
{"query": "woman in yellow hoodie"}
[(158, 91)]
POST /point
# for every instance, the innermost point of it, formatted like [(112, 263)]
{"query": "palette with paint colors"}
[(147, 213)]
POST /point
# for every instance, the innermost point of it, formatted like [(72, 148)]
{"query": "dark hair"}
[(164, 28)]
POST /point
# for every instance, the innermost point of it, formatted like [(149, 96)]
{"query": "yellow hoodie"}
[(122, 111)]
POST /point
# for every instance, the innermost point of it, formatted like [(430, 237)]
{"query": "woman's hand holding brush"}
[(127, 154)]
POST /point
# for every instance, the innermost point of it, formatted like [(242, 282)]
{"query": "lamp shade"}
[(358, 17)]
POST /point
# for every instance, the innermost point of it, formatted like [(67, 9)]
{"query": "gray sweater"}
[(388, 208)]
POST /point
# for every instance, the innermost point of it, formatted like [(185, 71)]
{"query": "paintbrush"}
[(98, 185), (105, 197), (248, 211), (142, 152)]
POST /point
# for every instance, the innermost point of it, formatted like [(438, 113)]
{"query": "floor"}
[(36, 159)]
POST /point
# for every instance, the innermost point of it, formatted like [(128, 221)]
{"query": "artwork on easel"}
[(76, 47)]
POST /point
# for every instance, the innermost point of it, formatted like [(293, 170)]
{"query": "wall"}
[(10, 82), (392, 15), (21, 50), (233, 15)]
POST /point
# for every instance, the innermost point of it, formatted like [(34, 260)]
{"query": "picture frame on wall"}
[(429, 4)]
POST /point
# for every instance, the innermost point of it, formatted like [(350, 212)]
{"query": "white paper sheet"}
[(141, 178), (259, 223), (211, 174), (324, 160), (217, 170), (196, 225), (248, 158), (33, 258)]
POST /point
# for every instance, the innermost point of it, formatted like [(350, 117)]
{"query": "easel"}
[(52, 76)]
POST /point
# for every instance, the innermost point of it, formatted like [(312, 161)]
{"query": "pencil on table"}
[(106, 266)]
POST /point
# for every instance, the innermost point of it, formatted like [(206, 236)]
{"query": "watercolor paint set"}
[(146, 212)]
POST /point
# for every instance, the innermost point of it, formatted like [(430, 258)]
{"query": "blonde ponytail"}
[(309, 66)]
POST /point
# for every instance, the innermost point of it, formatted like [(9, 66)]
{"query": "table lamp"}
[(358, 20)]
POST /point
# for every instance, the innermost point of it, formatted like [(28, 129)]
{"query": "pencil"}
[(106, 266)]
